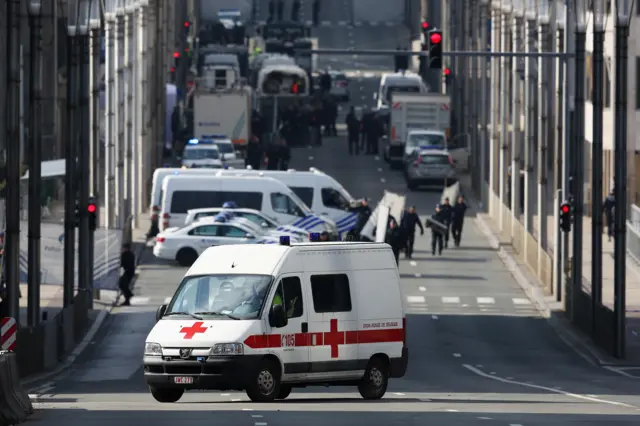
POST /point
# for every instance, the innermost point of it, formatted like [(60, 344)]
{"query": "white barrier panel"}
[(451, 192), (381, 227), (106, 256), (395, 206)]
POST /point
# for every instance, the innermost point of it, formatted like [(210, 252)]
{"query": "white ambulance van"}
[(321, 192), (269, 318), (270, 196)]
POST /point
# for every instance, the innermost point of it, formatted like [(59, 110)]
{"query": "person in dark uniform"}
[(408, 223), (353, 130), (280, 10), (437, 233), (316, 12), (372, 135), (272, 10), (364, 213), (365, 125), (254, 153), (609, 208), (273, 155), (333, 116), (447, 213), (128, 265), (285, 154), (395, 239), (457, 220), (295, 10)]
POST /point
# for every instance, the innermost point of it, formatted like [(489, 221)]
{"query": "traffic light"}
[(92, 211), (425, 27), (447, 76), (565, 217), (187, 26), (434, 40), (76, 216)]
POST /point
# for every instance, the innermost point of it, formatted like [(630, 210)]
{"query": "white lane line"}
[(413, 263), (416, 299), (310, 158), (450, 300), (399, 393), (515, 424), (417, 275), (421, 288), (485, 300), (520, 301), (435, 317), (256, 416), (225, 394), (484, 418), (236, 400), (457, 355), (545, 388), (383, 180), (260, 423), (247, 409), (452, 411)]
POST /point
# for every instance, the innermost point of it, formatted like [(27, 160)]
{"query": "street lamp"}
[(623, 18), (577, 148), (34, 8), (599, 26)]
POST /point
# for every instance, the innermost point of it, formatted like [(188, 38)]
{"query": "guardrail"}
[(633, 233)]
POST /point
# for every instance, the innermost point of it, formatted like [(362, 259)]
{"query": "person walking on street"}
[(609, 207), (363, 214), (408, 223), (254, 153), (353, 129), (437, 231), (457, 220), (128, 265), (273, 155), (447, 213), (395, 239)]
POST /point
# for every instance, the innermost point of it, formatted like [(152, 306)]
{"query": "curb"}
[(572, 339), (80, 347)]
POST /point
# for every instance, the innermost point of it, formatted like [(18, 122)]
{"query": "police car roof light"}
[(229, 205), (285, 240), (221, 217), (193, 142), (314, 237)]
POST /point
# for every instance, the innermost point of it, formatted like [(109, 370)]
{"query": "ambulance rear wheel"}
[(375, 381), (265, 385), (166, 395), (285, 391)]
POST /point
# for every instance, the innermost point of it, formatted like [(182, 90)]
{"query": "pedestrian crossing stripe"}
[(450, 300), (455, 300), (416, 299), (486, 300)]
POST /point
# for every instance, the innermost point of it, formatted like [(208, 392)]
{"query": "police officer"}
[(128, 265), (447, 214), (254, 153), (437, 232), (364, 213), (395, 239), (608, 208), (373, 134), (295, 10), (457, 220), (353, 129), (408, 223), (365, 126), (273, 154)]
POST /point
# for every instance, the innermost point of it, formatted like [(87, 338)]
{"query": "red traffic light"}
[(447, 71), (187, 24), (176, 55), (565, 208), (91, 208), (295, 88), (435, 38), (172, 69), (425, 25)]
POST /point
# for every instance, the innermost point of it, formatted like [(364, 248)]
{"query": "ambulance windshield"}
[(226, 296)]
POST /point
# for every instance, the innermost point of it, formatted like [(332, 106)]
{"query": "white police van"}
[(201, 154), (272, 197), (318, 190), (269, 318), (228, 155)]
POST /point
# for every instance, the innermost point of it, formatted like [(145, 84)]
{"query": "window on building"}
[(331, 293)]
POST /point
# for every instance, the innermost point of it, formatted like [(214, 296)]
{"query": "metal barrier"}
[(633, 233)]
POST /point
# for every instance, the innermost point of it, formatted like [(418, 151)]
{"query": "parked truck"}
[(413, 111), (226, 112)]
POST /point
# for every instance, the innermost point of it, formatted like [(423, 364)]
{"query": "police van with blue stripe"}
[(322, 193)]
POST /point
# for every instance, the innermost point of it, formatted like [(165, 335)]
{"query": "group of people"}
[(363, 133), (447, 220)]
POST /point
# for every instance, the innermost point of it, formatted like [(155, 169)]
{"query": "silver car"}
[(429, 168), (339, 86)]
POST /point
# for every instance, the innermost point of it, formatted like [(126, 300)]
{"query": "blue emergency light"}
[(193, 142), (229, 205), (221, 217), (285, 240), (314, 237)]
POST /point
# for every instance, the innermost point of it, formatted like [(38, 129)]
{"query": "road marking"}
[(418, 275), (415, 299), (383, 180), (421, 288), (435, 317), (342, 23), (452, 411), (486, 300), (247, 409), (450, 300), (325, 23), (260, 424), (310, 158), (225, 394), (399, 393), (515, 424), (520, 301), (138, 301), (413, 263), (484, 418), (256, 416), (457, 355), (545, 388), (236, 400), (378, 159)]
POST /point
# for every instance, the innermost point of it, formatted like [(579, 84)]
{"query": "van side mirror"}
[(160, 312), (278, 317), (264, 224)]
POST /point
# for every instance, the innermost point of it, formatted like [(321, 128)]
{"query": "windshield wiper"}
[(233, 317), (183, 313)]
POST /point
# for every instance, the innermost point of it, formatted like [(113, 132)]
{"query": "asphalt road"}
[(480, 353)]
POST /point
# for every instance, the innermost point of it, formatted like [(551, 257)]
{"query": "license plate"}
[(183, 380)]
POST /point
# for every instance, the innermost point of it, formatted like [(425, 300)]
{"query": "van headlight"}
[(228, 349), (152, 349)]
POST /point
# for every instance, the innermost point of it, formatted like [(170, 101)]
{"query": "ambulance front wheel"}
[(265, 384), (166, 395), (376, 379)]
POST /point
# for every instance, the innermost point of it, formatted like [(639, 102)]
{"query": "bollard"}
[(8, 334)]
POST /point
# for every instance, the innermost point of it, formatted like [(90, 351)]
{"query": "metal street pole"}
[(70, 156), (503, 111), (35, 175), (578, 146), (12, 181), (599, 14), (109, 134), (530, 101), (494, 101), (623, 12), (127, 111), (517, 89), (484, 138), (567, 141), (84, 268)]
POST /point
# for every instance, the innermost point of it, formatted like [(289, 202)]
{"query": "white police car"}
[(201, 154), (185, 244), (228, 153), (255, 216)]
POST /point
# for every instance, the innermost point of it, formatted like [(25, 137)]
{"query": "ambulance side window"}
[(290, 291), (331, 293)]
